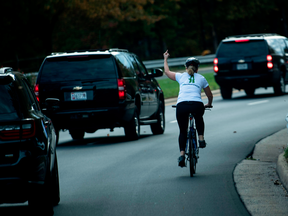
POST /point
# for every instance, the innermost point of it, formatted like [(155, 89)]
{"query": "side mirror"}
[(6, 79), (52, 104), (156, 72)]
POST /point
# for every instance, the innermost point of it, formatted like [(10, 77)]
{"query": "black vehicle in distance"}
[(252, 61), (28, 160), (84, 91)]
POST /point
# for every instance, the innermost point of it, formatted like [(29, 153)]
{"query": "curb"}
[(282, 170)]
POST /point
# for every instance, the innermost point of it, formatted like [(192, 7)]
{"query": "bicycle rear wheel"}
[(191, 155)]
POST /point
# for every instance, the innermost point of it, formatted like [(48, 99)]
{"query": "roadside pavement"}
[(262, 179)]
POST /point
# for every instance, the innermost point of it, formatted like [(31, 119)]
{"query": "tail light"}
[(216, 69), (269, 62), (21, 130), (36, 91), (121, 89)]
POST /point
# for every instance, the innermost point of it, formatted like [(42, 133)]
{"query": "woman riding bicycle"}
[(189, 101)]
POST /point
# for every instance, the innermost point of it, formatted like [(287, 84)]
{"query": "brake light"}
[(242, 40), (269, 58), (270, 65), (216, 69), (121, 89), (23, 130), (269, 62), (36, 91)]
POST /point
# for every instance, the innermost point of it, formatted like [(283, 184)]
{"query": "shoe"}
[(202, 144), (181, 161)]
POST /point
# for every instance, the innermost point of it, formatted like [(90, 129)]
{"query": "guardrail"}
[(207, 59)]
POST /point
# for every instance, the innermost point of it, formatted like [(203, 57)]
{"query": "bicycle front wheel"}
[(191, 155)]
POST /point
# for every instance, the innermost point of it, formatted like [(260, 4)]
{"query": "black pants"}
[(182, 113)]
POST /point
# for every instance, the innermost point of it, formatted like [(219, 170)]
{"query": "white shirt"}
[(189, 90)]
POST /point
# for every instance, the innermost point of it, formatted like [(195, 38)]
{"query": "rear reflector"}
[(22, 130)]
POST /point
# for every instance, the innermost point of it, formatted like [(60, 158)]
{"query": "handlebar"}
[(206, 108)]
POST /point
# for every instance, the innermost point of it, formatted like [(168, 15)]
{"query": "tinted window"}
[(77, 68), (141, 66), (282, 45), (9, 100), (241, 49), (135, 66), (31, 96), (125, 66), (275, 46)]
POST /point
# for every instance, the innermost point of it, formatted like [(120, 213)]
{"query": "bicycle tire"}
[(194, 152), (192, 161)]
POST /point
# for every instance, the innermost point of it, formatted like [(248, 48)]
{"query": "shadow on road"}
[(14, 210), (98, 141)]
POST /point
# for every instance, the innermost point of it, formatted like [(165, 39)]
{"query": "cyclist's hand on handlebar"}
[(208, 106)]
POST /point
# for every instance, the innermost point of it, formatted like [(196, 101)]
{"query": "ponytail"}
[(191, 70)]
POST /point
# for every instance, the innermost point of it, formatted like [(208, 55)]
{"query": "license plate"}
[(76, 96), (242, 66)]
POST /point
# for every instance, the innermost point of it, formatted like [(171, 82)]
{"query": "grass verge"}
[(171, 88), (286, 154)]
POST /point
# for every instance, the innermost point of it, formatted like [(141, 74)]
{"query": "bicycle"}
[(192, 149)]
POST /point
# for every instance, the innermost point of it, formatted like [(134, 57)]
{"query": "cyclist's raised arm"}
[(209, 95), (170, 74)]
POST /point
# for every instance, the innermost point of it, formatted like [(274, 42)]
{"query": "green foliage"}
[(211, 80), (169, 87), (146, 27)]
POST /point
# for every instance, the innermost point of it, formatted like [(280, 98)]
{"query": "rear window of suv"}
[(248, 49), (80, 67)]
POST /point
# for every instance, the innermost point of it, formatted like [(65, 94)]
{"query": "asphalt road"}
[(107, 175)]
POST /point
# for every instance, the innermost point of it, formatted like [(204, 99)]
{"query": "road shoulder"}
[(257, 181)]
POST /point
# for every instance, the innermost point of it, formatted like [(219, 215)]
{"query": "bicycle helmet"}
[(192, 61)]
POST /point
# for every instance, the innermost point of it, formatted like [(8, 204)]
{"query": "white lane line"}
[(258, 102), (173, 121)]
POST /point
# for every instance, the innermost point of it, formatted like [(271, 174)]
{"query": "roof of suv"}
[(87, 52), (252, 37)]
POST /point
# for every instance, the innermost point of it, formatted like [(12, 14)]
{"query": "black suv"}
[(83, 91), (28, 161), (252, 61)]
